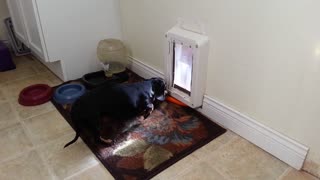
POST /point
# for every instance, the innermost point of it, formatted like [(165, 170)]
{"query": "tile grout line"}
[(203, 160), (10, 98), (232, 140), (284, 173), (42, 113), (14, 111), (223, 145), (17, 155), (35, 146), (5, 84), (197, 163), (27, 150), (310, 174), (46, 164), (225, 176), (80, 141), (218, 148), (51, 172), (177, 174), (29, 135), (3, 93), (20, 78), (82, 170), (23, 119)]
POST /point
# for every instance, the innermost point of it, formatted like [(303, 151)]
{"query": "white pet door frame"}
[(186, 65)]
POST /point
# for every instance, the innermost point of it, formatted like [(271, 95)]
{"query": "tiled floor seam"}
[(225, 144), (180, 173), (310, 174), (203, 160), (19, 79), (81, 171), (5, 90), (217, 170), (213, 165), (25, 151), (49, 167), (51, 172), (15, 114), (46, 164), (234, 139), (5, 98), (28, 133), (33, 116), (44, 144), (25, 129), (197, 163), (284, 173), (35, 147)]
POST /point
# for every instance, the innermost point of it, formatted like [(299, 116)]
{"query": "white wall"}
[(4, 13), (264, 59)]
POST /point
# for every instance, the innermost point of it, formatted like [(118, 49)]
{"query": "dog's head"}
[(159, 88)]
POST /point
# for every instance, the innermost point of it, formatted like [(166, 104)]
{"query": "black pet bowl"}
[(96, 79)]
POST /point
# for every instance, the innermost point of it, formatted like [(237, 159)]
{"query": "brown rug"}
[(169, 134)]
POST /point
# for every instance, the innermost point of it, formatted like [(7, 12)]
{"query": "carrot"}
[(175, 101)]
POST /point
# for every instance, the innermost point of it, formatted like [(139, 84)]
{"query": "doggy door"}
[(182, 76), (186, 65)]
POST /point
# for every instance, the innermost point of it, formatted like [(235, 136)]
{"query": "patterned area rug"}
[(169, 134)]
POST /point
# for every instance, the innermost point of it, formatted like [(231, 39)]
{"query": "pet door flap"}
[(182, 70)]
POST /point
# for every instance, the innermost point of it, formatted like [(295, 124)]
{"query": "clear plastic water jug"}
[(112, 55)]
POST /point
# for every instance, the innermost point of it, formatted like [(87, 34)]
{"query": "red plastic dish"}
[(35, 95)]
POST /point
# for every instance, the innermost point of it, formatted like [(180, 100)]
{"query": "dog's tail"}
[(75, 119), (73, 140)]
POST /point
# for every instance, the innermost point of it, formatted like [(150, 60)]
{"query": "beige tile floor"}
[(32, 139)]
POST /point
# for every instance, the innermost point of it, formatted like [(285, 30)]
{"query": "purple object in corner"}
[(6, 62)]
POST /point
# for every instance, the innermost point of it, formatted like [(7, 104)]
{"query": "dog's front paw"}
[(107, 141), (149, 110)]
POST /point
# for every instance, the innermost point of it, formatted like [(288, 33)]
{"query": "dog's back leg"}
[(107, 129)]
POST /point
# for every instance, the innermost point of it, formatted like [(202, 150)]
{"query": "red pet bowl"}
[(35, 95)]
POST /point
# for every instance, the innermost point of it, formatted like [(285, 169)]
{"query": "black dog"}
[(118, 102)]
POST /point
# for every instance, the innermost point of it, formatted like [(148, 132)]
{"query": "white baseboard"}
[(144, 70), (280, 146)]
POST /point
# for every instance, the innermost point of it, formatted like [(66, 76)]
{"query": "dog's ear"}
[(159, 88)]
